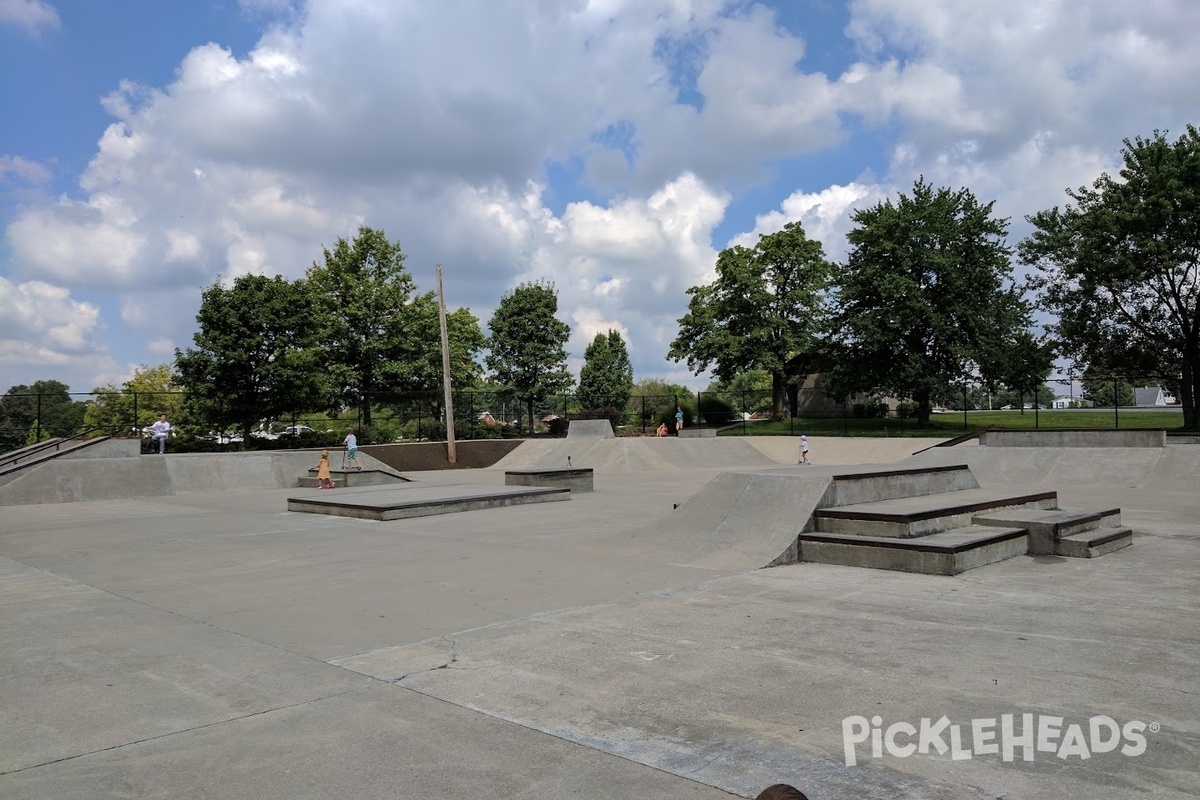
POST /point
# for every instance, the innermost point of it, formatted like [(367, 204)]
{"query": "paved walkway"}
[(217, 646)]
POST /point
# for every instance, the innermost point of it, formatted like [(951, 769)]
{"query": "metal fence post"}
[(1116, 404), (37, 424), (964, 407)]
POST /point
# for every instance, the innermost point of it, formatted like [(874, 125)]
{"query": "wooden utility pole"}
[(451, 452)]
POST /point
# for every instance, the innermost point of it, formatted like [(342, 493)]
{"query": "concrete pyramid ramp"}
[(740, 521)]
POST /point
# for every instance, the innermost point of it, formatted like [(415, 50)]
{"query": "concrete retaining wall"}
[(1044, 438), (698, 433), (64, 480)]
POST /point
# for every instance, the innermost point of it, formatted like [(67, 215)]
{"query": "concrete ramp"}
[(739, 521), (590, 429), (1170, 468), (637, 454), (1178, 469), (82, 479)]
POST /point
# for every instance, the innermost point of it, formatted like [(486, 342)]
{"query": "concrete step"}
[(946, 553), (1094, 543), (310, 482), (873, 485), (355, 477), (1047, 527), (910, 517)]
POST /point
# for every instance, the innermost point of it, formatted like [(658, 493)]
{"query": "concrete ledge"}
[(922, 516), (354, 477), (1046, 528), (386, 505), (878, 485), (577, 479), (698, 433), (1073, 438), (1094, 543), (947, 553)]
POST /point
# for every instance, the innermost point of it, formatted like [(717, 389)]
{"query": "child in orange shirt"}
[(324, 481)]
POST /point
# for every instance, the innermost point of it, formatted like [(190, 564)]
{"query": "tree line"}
[(927, 302), (925, 307)]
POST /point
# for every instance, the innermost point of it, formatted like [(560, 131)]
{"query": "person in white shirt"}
[(159, 432), (351, 459)]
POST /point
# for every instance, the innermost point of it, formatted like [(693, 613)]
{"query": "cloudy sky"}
[(149, 149)]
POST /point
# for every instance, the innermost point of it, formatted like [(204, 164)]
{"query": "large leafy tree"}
[(371, 340), (606, 377), (763, 310), (1120, 267), (138, 401), (44, 408), (18, 410), (926, 299), (255, 353), (527, 348), (466, 341)]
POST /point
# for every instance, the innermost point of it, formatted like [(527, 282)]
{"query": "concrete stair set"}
[(937, 520)]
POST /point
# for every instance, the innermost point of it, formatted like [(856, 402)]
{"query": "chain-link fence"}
[(1104, 401), (1138, 401), (396, 417)]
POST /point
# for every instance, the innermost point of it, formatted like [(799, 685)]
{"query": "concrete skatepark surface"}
[(213, 645)]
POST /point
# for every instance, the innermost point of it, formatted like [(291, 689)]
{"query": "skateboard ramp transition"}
[(739, 521)]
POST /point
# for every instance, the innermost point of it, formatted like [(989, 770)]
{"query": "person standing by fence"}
[(159, 432)]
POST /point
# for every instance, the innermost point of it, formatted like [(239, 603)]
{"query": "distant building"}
[(1071, 402), (1151, 396)]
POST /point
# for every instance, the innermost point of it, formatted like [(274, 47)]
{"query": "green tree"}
[(747, 392), (763, 310), (606, 377), (18, 410), (370, 337), (156, 392), (1121, 266), (466, 343), (527, 348), (925, 298), (1022, 364), (255, 356), (655, 400), (1105, 390), (43, 408)]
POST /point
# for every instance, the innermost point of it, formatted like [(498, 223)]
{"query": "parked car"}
[(296, 430)]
